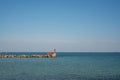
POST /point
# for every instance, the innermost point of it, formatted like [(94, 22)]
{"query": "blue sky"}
[(68, 25)]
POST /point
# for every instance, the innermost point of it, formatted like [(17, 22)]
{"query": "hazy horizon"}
[(57, 51), (67, 25)]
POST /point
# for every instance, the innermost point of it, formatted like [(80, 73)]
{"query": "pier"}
[(47, 55)]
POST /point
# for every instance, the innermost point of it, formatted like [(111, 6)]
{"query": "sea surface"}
[(67, 66)]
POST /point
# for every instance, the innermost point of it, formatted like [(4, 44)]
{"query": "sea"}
[(67, 66)]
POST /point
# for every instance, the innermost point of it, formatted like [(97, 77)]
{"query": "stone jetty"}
[(47, 55)]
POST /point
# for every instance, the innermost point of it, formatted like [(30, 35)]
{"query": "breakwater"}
[(24, 56), (46, 55)]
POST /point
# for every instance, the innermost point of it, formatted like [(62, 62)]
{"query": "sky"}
[(67, 25)]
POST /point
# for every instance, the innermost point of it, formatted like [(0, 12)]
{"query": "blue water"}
[(67, 66)]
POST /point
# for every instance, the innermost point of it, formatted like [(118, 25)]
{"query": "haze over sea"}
[(67, 66)]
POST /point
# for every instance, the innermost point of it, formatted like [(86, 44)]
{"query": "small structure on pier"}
[(52, 55)]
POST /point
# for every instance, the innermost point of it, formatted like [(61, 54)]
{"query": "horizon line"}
[(66, 51)]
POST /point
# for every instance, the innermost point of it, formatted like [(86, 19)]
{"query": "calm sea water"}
[(67, 66)]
